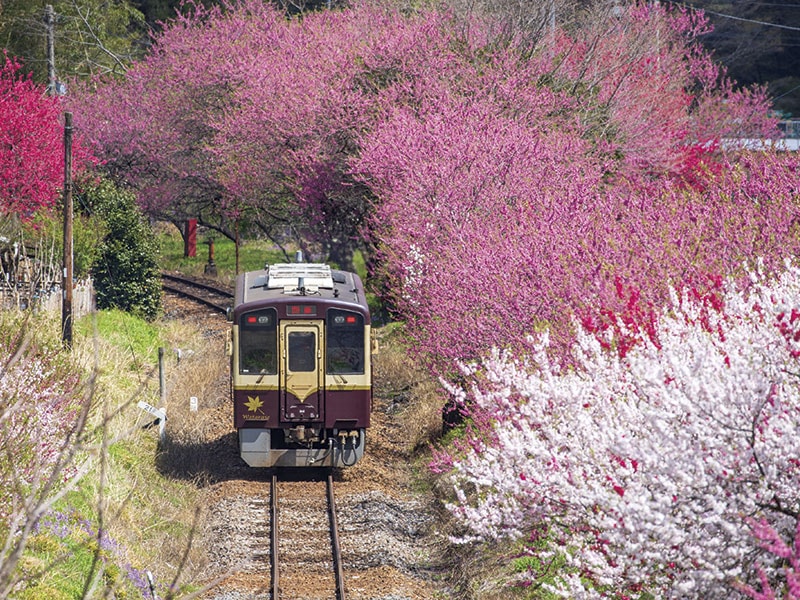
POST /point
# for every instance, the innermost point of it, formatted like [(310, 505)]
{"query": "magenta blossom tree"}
[(789, 553), (31, 144)]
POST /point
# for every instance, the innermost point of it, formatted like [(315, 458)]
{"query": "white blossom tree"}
[(644, 466)]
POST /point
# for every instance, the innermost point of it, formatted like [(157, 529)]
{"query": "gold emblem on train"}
[(254, 404)]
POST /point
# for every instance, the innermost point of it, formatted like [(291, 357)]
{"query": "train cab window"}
[(258, 343), (345, 342), (302, 351)]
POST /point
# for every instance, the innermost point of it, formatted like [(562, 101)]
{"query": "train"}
[(301, 365)]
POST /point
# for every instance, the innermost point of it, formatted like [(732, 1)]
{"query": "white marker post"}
[(152, 585), (158, 413)]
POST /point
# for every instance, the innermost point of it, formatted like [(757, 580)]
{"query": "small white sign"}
[(193, 404), (156, 412)]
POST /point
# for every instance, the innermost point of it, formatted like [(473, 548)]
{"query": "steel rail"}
[(198, 284), (193, 290), (200, 300), (273, 509), (337, 552)]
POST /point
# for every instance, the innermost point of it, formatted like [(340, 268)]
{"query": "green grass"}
[(253, 254), (65, 552), (360, 265), (132, 336), (62, 554)]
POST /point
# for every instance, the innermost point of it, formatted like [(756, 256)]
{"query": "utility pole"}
[(50, 23), (236, 243), (66, 282)]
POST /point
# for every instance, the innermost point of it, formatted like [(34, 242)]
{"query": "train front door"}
[(301, 374)]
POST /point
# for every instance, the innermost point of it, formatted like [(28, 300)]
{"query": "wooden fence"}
[(49, 299), (30, 278)]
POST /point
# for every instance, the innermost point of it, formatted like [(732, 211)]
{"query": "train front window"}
[(302, 351), (345, 342), (258, 343)]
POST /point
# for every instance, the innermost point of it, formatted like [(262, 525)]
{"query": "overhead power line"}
[(789, 27), (726, 16), (775, 4)]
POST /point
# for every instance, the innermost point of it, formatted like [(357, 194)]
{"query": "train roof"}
[(288, 282)]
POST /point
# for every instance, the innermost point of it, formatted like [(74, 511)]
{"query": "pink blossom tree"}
[(242, 114), (284, 145), (644, 466), (506, 204), (43, 416), (151, 127)]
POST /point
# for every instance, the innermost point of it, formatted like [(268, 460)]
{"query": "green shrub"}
[(126, 272)]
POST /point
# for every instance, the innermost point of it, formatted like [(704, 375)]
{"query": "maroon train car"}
[(301, 372)]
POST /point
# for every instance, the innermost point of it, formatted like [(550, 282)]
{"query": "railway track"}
[(381, 532), (302, 506), (298, 553), (215, 297)]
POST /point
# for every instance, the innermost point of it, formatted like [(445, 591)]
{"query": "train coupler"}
[(301, 434)]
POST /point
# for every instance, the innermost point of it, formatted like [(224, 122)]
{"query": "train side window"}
[(345, 342), (258, 343), (302, 351)]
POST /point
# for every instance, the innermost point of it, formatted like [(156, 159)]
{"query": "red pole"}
[(190, 246)]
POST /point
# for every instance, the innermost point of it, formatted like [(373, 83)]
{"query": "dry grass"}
[(198, 430), (416, 400), (413, 397)]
